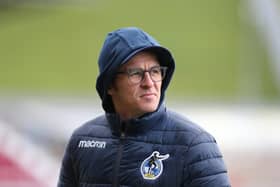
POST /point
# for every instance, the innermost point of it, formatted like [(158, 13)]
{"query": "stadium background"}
[(226, 78)]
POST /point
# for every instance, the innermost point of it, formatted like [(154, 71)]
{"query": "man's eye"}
[(135, 72), (156, 71)]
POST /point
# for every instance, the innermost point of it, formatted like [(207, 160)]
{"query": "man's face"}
[(135, 99)]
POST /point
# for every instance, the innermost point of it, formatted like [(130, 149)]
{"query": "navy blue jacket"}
[(162, 149), (159, 149)]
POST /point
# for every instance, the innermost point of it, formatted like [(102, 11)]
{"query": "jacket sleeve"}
[(67, 176), (204, 166)]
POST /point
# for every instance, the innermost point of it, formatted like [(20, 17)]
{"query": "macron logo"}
[(92, 144)]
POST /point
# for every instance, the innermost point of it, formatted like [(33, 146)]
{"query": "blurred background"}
[(227, 78)]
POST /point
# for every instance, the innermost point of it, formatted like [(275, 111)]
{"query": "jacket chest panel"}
[(133, 163), (153, 165)]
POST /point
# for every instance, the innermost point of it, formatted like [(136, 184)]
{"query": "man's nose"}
[(147, 80)]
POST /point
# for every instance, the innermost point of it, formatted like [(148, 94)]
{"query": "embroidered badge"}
[(152, 167)]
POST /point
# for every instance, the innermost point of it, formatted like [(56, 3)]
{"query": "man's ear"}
[(111, 90)]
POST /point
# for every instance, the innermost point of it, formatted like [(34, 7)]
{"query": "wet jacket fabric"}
[(106, 152)]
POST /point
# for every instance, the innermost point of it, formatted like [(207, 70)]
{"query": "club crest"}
[(152, 167)]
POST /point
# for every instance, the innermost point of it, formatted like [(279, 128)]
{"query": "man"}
[(138, 142)]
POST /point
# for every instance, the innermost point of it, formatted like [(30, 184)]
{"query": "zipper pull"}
[(122, 135), (123, 129)]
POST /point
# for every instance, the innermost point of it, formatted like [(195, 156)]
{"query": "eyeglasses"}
[(136, 75)]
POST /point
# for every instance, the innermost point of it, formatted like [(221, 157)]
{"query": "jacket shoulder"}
[(181, 123), (204, 161), (97, 127), (186, 131), (181, 131)]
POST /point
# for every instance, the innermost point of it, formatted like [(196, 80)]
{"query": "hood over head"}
[(119, 47)]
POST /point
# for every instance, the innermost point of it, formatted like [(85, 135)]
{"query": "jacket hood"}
[(119, 47)]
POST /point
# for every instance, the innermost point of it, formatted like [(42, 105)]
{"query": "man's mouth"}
[(148, 95)]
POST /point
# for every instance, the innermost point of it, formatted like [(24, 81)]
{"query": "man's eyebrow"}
[(156, 65)]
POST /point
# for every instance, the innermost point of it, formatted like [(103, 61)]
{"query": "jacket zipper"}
[(119, 156)]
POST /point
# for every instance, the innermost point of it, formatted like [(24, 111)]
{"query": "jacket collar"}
[(136, 125)]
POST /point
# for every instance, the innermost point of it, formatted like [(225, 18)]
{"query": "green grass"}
[(55, 49)]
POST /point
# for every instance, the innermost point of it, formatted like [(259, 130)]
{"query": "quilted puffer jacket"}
[(158, 149), (162, 149)]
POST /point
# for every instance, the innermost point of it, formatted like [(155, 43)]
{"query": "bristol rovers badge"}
[(152, 167)]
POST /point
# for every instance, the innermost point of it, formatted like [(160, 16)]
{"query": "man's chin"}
[(148, 109)]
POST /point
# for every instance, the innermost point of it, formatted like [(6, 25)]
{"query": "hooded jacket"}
[(120, 46), (159, 149)]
